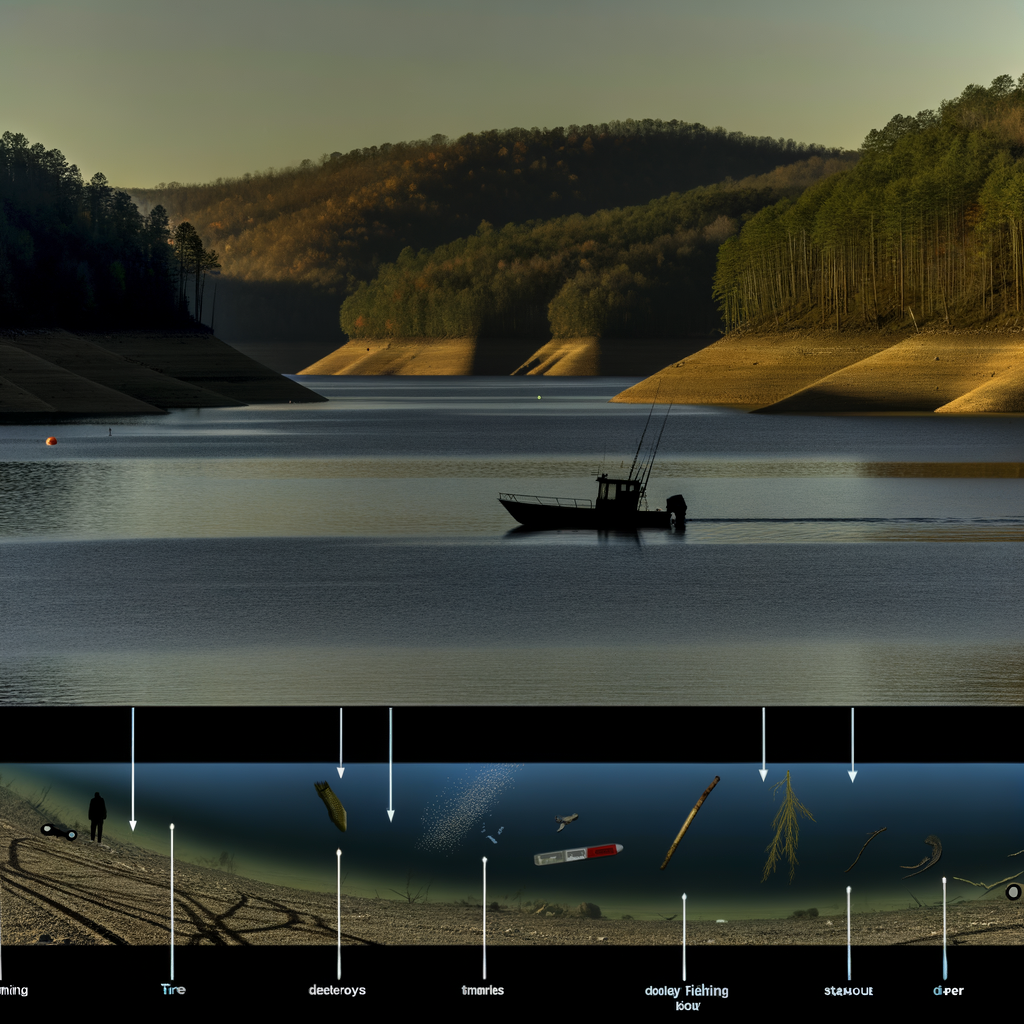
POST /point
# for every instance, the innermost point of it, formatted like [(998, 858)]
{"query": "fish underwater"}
[(562, 822), (334, 809)]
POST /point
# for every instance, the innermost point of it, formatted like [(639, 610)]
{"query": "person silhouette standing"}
[(97, 812)]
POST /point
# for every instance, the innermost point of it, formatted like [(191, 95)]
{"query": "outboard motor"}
[(677, 507)]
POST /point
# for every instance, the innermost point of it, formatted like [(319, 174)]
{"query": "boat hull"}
[(567, 517)]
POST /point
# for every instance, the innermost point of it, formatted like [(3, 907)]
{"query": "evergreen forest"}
[(633, 272), (81, 255), (928, 226)]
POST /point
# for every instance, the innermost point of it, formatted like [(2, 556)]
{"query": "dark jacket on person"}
[(97, 809)]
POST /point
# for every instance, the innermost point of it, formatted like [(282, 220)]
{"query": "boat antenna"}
[(657, 445), (644, 434)]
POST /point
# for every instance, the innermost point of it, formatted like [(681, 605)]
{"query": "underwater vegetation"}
[(787, 830), (334, 809)]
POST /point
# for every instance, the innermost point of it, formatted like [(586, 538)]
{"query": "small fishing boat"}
[(617, 506)]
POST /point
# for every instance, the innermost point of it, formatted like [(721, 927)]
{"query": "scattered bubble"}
[(462, 804)]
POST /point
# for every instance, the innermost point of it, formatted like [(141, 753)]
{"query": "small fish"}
[(562, 822), (334, 808)]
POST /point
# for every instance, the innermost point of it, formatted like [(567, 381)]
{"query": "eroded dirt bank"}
[(457, 357), (806, 371)]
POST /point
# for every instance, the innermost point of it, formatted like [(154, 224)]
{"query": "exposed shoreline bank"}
[(501, 357), (975, 372), (51, 374)]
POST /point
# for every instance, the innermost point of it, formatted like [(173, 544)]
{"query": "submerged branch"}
[(982, 885), (686, 824), (863, 848)]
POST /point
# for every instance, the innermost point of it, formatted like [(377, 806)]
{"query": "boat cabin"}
[(617, 497)]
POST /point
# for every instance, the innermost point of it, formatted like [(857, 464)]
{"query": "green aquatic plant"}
[(787, 830)]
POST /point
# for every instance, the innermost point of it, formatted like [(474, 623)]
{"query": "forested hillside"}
[(76, 254), (307, 236), (928, 226), (635, 272)]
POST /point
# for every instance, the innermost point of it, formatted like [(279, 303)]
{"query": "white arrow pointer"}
[(132, 821), (172, 901), (391, 798), (763, 770), (339, 913), (852, 772), (341, 746)]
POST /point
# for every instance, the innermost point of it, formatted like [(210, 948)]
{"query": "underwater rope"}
[(334, 809)]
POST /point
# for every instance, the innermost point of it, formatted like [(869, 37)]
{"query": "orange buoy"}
[(51, 440)]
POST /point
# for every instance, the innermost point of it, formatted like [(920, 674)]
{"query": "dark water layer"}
[(355, 552), (266, 821)]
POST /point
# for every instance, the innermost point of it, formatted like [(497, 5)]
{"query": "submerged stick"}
[(933, 842), (863, 848), (987, 888), (915, 899), (686, 824)]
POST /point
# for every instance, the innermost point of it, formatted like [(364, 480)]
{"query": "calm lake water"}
[(355, 552)]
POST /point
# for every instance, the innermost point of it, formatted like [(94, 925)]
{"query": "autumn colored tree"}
[(330, 224), (635, 272)]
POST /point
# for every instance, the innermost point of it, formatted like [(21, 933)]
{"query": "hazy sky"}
[(189, 90)]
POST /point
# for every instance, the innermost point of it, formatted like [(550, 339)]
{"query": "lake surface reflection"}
[(355, 552)]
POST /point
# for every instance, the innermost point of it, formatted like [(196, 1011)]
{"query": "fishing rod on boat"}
[(644, 434), (657, 445)]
